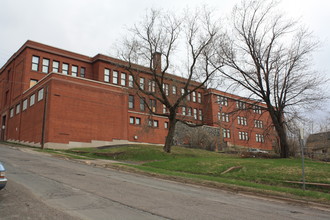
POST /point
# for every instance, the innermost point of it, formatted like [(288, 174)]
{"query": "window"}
[(137, 121), (11, 114), (131, 120), (258, 124), (195, 113), (199, 97), (243, 136), (45, 65), (65, 68), (188, 96), (189, 111), (226, 133), (200, 114), (259, 138), (194, 96), (257, 109), (106, 75), (142, 104), (33, 82), (223, 101), (164, 109), (225, 117), (56, 66), (32, 99), (35, 63), (166, 89), (115, 77), (142, 83), (130, 81), (123, 79), (166, 124), (240, 105), (152, 105), (241, 120), (40, 94), (155, 123), (183, 110), (74, 70), (152, 86), (82, 72), (25, 104), (174, 90), (182, 91), (152, 123), (18, 108), (131, 101)]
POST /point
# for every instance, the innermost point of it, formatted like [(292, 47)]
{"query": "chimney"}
[(157, 61)]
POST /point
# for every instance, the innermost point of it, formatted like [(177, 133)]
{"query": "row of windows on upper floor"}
[(196, 113), (121, 79), (223, 101), (55, 66), (224, 117), (28, 102)]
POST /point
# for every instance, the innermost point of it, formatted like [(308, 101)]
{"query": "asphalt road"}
[(45, 187)]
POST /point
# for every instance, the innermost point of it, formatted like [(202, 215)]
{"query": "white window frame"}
[(35, 63), (25, 104), (11, 113), (40, 94), (123, 79), (131, 102), (174, 90), (142, 83), (194, 96), (200, 114), (115, 77), (56, 66), (74, 70), (18, 108), (195, 113), (45, 65), (199, 97), (130, 81), (65, 68), (82, 72), (32, 99)]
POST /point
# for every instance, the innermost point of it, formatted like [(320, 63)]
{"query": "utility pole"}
[(302, 156), (220, 127)]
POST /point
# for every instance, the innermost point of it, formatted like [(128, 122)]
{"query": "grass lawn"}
[(200, 165)]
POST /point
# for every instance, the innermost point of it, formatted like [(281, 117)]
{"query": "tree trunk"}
[(277, 119), (170, 134), (281, 131)]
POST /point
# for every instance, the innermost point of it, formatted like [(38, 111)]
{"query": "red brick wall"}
[(82, 111)]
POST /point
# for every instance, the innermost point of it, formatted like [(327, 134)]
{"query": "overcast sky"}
[(90, 27)]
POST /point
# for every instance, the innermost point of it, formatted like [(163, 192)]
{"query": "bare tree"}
[(270, 57), (157, 39)]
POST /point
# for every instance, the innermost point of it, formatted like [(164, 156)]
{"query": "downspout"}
[(43, 130)]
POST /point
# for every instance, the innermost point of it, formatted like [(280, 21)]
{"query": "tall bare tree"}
[(270, 57), (164, 38)]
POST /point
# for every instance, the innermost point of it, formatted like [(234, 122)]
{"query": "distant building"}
[(64, 99), (318, 145)]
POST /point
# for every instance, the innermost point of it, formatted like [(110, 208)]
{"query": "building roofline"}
[(105, 58)]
